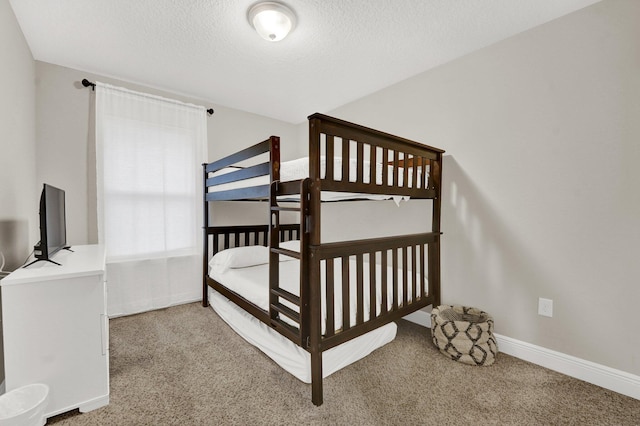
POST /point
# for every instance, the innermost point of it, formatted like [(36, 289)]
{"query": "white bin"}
[(24, 406)]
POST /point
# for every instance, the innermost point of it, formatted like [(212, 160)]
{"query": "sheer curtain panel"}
[(148, 153)]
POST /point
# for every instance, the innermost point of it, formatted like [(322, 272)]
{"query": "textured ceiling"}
[(340, 50)]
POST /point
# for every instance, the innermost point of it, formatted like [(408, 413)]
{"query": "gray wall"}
[(66, 141), (18, 189), (540, 193)]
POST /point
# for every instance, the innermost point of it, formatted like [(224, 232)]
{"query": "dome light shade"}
[(273, 21)]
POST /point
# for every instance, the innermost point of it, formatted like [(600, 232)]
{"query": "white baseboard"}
[(597, 374)]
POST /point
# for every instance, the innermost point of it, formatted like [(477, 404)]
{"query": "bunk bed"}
[(327, 300)]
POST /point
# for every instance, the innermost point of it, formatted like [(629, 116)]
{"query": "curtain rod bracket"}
[(87, 83)]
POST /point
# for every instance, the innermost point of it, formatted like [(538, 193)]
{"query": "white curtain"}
[(149, 152)]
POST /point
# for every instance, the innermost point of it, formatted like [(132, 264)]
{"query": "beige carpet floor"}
[(184, 366)]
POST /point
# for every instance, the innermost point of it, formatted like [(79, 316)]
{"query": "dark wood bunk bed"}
[(384, 164)]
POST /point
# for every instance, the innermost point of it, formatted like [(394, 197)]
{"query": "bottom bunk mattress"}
[(287, 354)]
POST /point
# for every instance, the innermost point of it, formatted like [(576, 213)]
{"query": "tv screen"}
[(53, 229)]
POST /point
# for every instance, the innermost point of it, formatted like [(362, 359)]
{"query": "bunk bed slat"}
[(253, 192), (405, 172), (329, 158), (330, 321), (405, 269), (240, 174), (286, 311), (286, 252), (285, 209), (430, 177), (383, 282), (359, 289), (360, 162), (423, 272), (252, 151), (345, 164), (394, 269), (385, 170), (289, 187), (396, 166), (286, 295), (373, 307), (372, 164), (414, 273), (424, 178), (346, 305)]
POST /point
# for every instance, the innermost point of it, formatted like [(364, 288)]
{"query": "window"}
[(149, 151)]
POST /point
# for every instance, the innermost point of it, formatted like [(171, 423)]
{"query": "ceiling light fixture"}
[(272, 20)]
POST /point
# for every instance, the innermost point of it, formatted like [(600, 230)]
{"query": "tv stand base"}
[(42, 260)]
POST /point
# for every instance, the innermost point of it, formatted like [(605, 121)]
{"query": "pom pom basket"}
[(464, 334)]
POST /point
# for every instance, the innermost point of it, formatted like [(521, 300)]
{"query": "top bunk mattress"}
[(299, 169)]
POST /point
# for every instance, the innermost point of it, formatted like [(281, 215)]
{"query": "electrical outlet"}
[(545, 307)]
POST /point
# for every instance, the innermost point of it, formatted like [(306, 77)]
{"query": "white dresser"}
[(56, 329)]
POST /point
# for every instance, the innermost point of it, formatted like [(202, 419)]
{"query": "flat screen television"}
[(53, 225)]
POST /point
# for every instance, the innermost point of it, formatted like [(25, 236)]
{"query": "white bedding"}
[(299, 169), (288, 355)]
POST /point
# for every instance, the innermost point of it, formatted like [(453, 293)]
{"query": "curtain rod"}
[(87, 83)]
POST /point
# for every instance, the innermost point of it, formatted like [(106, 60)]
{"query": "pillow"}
[(239, 257)]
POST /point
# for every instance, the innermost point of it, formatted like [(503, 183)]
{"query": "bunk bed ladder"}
[(277, 295)]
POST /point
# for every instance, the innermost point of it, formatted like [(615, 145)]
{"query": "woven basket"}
[(464, 334)]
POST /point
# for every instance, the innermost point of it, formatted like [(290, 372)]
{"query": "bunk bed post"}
[(314, 175), (274, 154), (434, 248), (312, 230), (205, 239)]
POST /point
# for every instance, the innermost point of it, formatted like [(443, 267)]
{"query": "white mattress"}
[(289, 356), (299, 169)]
